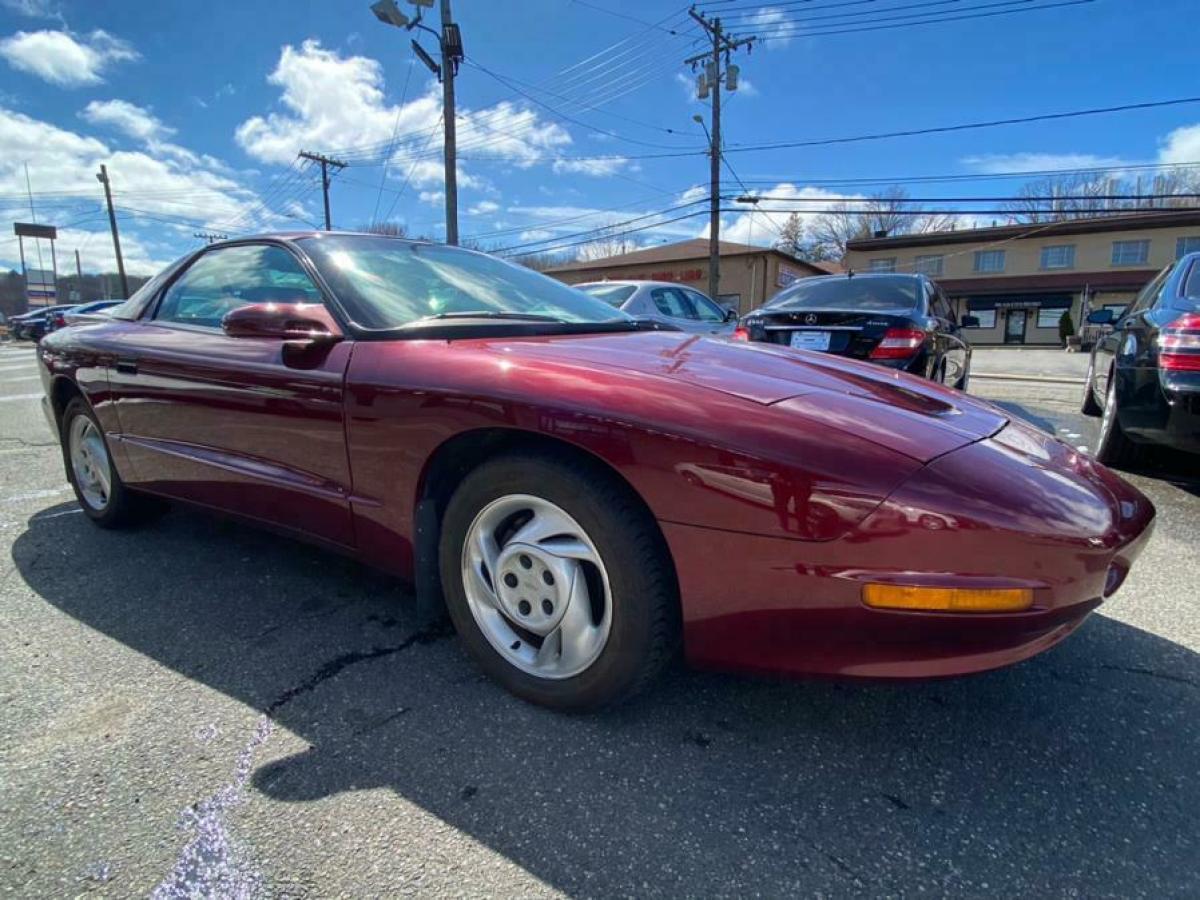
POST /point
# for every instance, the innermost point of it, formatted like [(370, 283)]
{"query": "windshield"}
[(870, 294), (612, 294), (389, 283)]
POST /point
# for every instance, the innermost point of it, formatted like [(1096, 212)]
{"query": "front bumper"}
[(1022, 511)]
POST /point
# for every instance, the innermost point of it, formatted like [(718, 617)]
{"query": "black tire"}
[(1115, 448), (124, 508), (644, 598), (1090, 406), (964, 381)]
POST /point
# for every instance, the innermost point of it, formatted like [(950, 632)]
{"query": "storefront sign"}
[(684, 275)]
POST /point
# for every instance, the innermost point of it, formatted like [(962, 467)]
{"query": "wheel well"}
[(456, 457), (62, 391)]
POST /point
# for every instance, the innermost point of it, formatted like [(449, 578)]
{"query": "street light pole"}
[(102, 177)]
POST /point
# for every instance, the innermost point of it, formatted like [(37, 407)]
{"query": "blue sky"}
[(198, 111)]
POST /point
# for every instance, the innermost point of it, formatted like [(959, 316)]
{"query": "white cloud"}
[(484, 208), (772, 22), (135, 121), (329, 101), (1181, 146), (63, 58), (695, 192), (994, 163), (433, 198), (597, 167), (34, 9), (761, 223), (171, 183)]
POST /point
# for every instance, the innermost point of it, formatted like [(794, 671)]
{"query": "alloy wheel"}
[(536, 586), (90, 463)]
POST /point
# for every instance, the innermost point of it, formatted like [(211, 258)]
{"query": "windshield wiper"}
[(486, 314)]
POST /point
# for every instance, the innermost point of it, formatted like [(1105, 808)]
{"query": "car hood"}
[(913, 416)]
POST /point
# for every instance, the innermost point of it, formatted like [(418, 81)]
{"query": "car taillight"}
[(899, 343), (1179, 345), (740, 334)]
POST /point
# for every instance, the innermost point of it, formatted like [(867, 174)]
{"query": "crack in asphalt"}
[(1151, 673), (338, 664)]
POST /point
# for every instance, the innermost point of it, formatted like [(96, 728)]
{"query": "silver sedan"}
[(667, 302)]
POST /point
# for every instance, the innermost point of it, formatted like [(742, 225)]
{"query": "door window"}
[(706, 310), (673, 302), (222, 280)]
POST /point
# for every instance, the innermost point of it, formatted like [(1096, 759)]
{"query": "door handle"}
[(127, 366)]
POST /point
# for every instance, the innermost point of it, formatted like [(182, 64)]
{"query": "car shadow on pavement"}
[(1073, 773)]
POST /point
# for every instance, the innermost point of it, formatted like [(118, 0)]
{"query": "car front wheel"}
[(558, 581), (98, 488)]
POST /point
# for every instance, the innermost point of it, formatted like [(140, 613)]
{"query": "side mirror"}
[(731, 315), (1101, 317), (302, 324), (970, 321)]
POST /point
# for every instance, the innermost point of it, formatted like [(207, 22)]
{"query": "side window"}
[(706, 310), (671, 302), (222, 280)]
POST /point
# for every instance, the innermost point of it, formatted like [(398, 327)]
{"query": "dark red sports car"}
[(587, 491)]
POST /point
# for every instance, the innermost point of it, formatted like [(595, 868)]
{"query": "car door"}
[(709, 314), (237, 423), (1116, 352), (672, 305)]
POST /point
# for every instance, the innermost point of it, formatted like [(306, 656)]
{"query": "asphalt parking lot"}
[(200, 707)]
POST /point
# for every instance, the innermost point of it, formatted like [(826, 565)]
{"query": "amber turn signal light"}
[(937, 599)]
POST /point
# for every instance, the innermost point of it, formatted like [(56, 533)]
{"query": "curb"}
[(1040, 379)]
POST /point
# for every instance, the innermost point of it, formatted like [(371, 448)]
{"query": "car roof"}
[(635, 282)]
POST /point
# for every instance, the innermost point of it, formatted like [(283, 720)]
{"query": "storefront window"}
[(986, 317)]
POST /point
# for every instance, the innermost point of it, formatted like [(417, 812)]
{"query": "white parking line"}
[(15, 367), (35, 495), (16, 397), (22, 378)]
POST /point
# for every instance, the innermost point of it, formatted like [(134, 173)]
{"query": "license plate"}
[(810, 340)]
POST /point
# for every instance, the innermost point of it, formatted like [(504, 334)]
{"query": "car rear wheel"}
[(964, 380), (1115, 448), (98, 488), (1090, 407), (558, 581)]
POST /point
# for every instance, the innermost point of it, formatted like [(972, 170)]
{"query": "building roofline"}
[(1129, 222), (671, 253)]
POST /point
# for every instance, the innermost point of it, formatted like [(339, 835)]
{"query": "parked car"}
[(33, 324), (83, 314), (664, 301), (586, 491), (904, 322), (1144, 374)]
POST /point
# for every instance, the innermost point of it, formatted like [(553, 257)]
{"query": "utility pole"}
[(102, 177), (452, 52), (710, 82), (325, 162), (78, 276), (451, 46), (211, 237)]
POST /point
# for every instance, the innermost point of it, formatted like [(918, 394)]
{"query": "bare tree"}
[(1083, 196), (539, 262), (391, 229), (608, 242), (889, 212)]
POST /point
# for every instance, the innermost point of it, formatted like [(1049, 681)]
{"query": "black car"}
[(1144, 374), (33, 324), (901, 321)]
